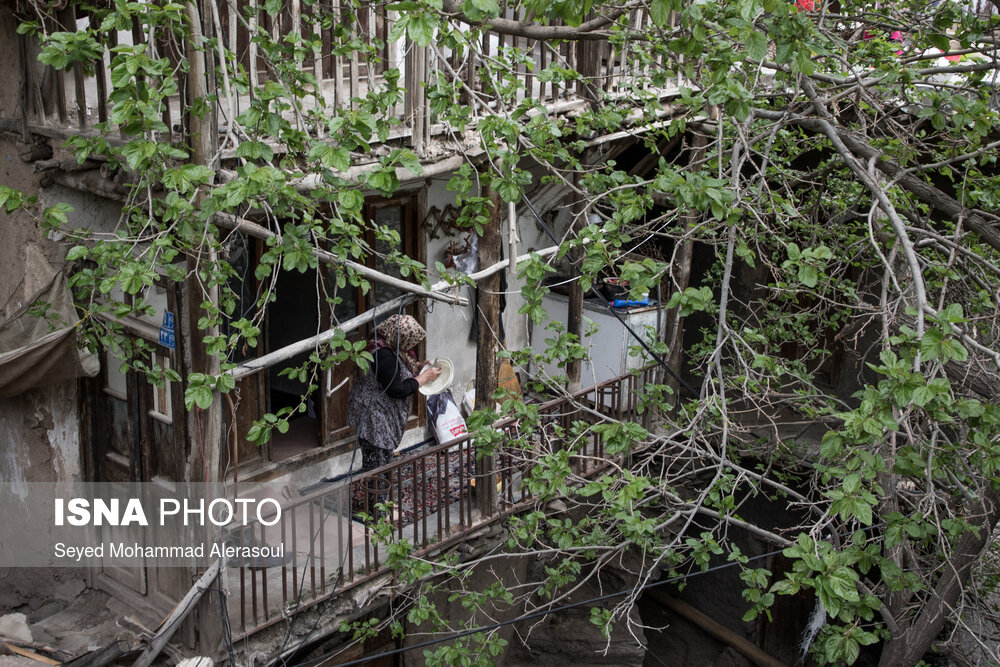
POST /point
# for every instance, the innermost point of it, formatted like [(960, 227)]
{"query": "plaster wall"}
[(448, 327)]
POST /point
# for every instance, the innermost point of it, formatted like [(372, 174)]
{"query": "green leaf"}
[(756, 45), (939, 40), (808, 275), (76, 252), (420, 28), (659, 11), (487, 7), (922, 396)]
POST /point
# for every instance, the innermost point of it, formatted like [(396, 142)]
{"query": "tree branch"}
[(925, 192)]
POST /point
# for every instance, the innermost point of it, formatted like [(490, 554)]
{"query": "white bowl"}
[(443, 381)]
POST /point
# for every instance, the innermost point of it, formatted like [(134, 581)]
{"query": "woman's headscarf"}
[(401, 333)]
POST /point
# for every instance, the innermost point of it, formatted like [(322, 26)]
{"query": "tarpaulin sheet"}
[(36, 351)]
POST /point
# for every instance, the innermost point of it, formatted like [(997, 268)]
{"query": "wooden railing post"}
[(487, 346)]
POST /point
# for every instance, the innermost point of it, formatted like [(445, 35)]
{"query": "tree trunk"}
[(204, 427), (912, 644)]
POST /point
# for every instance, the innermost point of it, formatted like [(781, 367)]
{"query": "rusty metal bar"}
[(368, 511), (350, 532), (312, 550), (284, 568), (398, 475), (243, 598), (263, 571), (423, 511), (322, 544), (253, 592), (295, 562), (618, 396)]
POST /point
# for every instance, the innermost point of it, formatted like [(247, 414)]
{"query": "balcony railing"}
[(76, 99), (435, 500)]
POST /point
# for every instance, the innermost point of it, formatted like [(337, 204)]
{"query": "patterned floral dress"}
[(378, 418)]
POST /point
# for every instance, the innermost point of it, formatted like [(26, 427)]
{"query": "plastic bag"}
[(469, 402), (468, 261), (446, 419)]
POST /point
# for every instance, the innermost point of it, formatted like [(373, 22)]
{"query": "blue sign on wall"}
[(167, 330)]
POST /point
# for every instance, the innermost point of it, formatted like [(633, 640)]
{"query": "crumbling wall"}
[(39, 430)]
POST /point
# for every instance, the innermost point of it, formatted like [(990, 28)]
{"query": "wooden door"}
[(116, 442), (135, 431)]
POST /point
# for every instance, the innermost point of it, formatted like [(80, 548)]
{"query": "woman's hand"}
[(428, 375)]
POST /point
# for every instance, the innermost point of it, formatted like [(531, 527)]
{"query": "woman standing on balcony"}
[(379, 403)]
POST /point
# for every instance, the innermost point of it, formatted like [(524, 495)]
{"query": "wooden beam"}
[(306, 183), (228, 221), (103, 656), (31, 655), (755, 653), (264, 362), (505, 262), (173, 621)]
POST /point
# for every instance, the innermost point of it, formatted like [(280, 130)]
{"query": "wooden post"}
[(68, 24), (79, 87), (182, 609), (488, 345), (418, 61), (587, 57), (24, 85), (756, 654), (574, 315), (680, 278), (204, 427), (252, 47), (102, 88)]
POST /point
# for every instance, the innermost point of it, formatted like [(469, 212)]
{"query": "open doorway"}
[(293, 317)]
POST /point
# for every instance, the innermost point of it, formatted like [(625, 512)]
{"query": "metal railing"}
[(429, 499)]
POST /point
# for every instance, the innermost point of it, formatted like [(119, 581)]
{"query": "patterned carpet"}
[(415, 486)]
